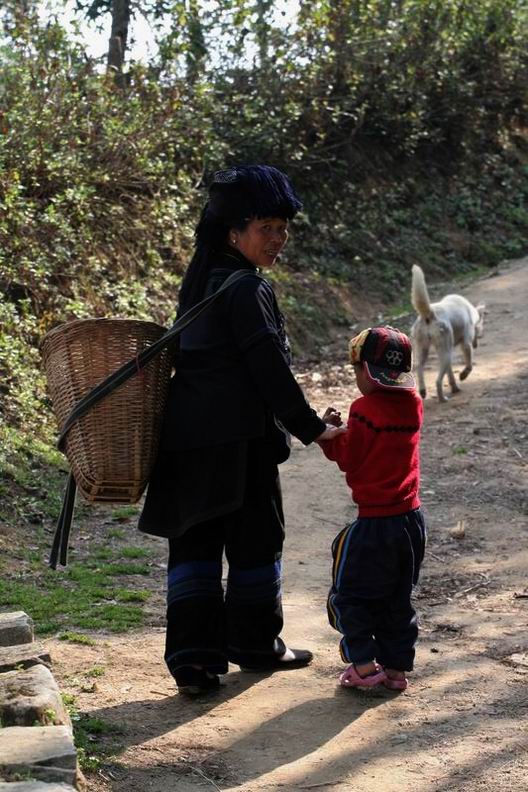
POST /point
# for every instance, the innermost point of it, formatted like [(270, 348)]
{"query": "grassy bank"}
[(412, 151)]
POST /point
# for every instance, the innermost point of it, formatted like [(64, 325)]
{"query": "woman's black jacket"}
[(233, 372), (233, 397)]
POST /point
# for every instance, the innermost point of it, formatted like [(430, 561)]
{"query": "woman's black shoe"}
[(301, 658), (195, 681)]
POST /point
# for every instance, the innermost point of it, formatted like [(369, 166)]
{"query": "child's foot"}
[(366, 675), (395, 680)]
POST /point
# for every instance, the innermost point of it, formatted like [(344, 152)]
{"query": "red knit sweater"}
[(380, 452)]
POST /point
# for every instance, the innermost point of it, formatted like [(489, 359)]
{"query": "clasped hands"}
[(334, 425)]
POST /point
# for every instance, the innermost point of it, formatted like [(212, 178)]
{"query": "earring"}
[(233, 241)]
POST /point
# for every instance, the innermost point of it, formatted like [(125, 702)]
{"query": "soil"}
[(461, 725)]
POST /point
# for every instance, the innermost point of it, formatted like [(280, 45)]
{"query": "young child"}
[(376, 559)]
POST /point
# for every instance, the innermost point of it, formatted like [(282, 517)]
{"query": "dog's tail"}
[(419, 294)]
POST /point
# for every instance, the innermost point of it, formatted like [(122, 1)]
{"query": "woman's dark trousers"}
[(376, 564), (207, 627)]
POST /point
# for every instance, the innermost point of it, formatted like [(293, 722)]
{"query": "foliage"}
[(403, 125)]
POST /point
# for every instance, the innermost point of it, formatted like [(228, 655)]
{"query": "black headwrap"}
[(235, 196)]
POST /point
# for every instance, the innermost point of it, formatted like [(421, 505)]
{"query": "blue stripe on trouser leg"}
[(195, 616), (262, 584), (352, 618), (194, 579), (345, 613), (254, 612)]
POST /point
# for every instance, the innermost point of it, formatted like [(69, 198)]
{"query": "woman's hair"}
[(236, 196)]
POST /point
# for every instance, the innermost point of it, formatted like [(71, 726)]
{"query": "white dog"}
[(453, 320)]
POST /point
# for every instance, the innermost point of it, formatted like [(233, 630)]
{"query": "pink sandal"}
[(395, 684), (351, 678)]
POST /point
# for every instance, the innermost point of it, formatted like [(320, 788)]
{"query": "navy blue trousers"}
[(206, 625), (376, 563)]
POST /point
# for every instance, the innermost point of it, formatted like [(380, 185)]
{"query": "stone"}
[(35, 786), (12, 658), (31, 697), (15, 628), (42, 753), (46, 775), (519, 659)]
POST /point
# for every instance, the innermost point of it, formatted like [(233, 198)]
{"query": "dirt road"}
[(462, 724)]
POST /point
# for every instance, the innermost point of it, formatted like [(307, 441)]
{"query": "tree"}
[(196, 48), (119, 34), (185, 13), (262, 9), (17, 11), (120, 11)]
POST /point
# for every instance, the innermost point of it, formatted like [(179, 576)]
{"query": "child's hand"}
[(332, 416), (331, 432)]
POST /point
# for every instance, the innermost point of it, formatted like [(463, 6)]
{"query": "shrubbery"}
[(401, 123)]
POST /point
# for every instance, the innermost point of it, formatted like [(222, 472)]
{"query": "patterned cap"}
[(386, 354)]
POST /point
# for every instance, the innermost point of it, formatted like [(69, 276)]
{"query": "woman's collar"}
[(230, 257)]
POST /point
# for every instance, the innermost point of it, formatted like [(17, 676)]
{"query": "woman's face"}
[(261, 241)]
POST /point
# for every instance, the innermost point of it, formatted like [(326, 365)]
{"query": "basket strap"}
[(62, 531), (59, 550), (128, 370)]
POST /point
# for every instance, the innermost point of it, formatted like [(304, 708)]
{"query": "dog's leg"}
[(444, 365), (422, 360), (446, 368), (444, 349), (468, 357), (452, 381)]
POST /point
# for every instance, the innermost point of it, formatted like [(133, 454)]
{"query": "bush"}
[(402, 125)]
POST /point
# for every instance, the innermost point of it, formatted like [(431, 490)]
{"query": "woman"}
[(233, 402)]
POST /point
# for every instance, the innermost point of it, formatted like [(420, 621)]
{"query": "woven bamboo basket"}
[(113, 447)]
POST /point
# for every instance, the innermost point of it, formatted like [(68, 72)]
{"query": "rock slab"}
[(12, 658), (35, 786), (45, 753), (15, 628), (31, 697)]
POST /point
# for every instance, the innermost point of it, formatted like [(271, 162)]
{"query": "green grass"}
[(96, 671), (123, 513), (115, 533), (91, 595), (103, 553), (79, 638), (124, 568), (135, 552), (87, 734)]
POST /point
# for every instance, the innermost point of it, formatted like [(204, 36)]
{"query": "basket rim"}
[(74, 323)]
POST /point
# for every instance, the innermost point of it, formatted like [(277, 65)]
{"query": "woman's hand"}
[(332, 416), (330, 432)]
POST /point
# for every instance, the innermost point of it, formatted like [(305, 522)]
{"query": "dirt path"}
[(462, 725)]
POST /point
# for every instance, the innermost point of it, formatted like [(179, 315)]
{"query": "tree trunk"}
[(118, 36), (262, 8), (196, 49)]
